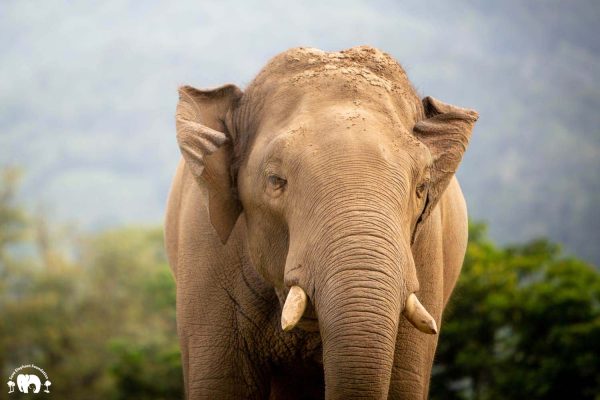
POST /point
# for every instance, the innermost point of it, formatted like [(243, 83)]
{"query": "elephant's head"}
[(335, 163)]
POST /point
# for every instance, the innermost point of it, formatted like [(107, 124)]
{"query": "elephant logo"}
[(28, 382), (25, 381)]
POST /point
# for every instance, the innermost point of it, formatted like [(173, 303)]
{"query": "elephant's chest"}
[(300, 375)]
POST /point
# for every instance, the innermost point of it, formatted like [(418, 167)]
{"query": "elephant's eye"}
[(277, 182), (422, 188)]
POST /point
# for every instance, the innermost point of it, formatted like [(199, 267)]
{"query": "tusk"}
[(294, 307), (418, 316)]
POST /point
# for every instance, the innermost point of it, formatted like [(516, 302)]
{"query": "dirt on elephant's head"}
[(362, 75), (303, 65), (363, 61)]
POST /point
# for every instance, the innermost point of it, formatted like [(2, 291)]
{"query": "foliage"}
[(524, 322), (147, 371), (100, 321)]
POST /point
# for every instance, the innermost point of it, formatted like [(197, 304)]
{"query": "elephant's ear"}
[(446, 131), (207, 148)]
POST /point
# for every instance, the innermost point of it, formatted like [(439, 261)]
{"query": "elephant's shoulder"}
[(452, 205)]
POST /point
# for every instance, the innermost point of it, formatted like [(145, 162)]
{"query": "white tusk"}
[(294, 307), (418, 316)]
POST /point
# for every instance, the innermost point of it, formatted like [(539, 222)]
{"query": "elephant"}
[(315, 229), (24, 381)]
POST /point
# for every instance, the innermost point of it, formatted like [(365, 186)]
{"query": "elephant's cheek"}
[(267, 247)]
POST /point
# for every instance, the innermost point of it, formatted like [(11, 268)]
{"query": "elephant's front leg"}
[(413, 359), (216, 369), (415, 350), (217, 359)]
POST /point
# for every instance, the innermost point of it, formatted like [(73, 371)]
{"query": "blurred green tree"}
[(524, 323), (97, 314)]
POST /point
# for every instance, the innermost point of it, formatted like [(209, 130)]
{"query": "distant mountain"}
[(88, 92)]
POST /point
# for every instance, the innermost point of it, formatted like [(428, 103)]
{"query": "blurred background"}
[(87, 152)]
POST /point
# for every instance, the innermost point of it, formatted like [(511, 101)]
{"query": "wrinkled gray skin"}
[(328, 173)]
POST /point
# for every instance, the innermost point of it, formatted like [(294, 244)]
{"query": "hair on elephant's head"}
[(335, 163)]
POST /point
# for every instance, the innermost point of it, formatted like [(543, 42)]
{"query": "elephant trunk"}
[(359, 297), (355, 247), (359, 324)]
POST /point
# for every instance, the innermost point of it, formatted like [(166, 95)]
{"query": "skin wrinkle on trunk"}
[(358, 220), (332, 160), (359, 313), (358, 340), (364, 273)]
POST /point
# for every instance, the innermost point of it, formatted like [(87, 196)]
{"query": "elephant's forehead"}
[(338, 121), (317, 123), (349, 95), (326, 107), (339, 129)]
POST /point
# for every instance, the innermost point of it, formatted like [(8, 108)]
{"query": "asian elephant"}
[(24, 381), (315, 230)]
